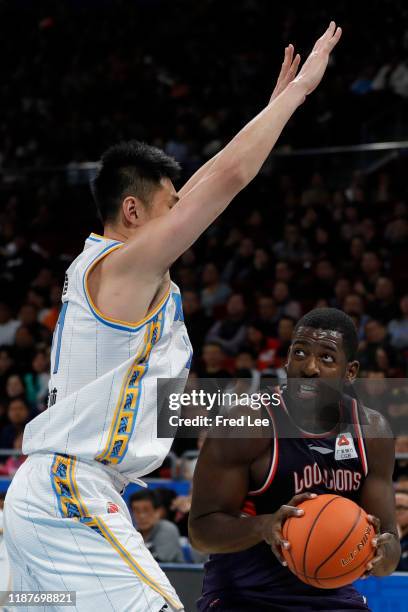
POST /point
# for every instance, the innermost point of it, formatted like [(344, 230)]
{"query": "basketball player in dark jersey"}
[(244, 489)]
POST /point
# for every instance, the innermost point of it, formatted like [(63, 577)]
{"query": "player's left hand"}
[(288, 71), (380, 540)]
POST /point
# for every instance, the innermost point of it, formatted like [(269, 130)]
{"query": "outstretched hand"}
[(288, 71), (315, 66)]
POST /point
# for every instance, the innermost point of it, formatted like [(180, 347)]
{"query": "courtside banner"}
[(256, 407)]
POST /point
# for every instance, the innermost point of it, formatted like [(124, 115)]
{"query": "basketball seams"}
[(340, 575), (350, 531), (311, 531)]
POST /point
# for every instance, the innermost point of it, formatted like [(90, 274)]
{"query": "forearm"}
[(252, 145), (223, 533), (207, 167), (391, 555)]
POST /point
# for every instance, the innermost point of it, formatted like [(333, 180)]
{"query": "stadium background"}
[(325, 222)]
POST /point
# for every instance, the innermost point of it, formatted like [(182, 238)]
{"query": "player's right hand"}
[(315, 66), (272, 532)]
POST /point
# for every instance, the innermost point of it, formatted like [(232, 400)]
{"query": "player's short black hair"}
[(145, 495), (129, 168), (335, 320)]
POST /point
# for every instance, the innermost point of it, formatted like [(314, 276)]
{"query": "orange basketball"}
[(330, 543)]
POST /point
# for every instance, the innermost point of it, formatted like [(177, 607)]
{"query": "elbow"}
[(237, 174), (197, 537)]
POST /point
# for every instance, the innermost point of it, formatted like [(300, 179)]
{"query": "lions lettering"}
[(333, 479)]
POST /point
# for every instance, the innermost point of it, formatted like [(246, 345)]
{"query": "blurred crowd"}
[(185, 75), (300, 236)]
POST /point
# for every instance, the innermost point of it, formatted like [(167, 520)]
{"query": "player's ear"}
[(352, 371), (132, 211)]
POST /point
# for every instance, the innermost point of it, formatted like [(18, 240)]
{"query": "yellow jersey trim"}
[(111, 320), (69, 499), (126, 410)]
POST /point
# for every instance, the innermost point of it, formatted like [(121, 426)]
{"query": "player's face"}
[(317, 366), (163, 199)]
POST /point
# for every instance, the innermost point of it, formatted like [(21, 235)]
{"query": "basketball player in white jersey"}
[(121, 327)]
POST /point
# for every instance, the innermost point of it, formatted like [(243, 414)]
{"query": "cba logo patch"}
[(112, 508), (345, 448)]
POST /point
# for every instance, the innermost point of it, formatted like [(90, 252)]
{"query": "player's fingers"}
[(374, 521), (276, 549), (286, 512), (381, 539), (287, 61), (371, 564), (327, 34), (289, 55), (335, 39), (294, 67), (298, 499)]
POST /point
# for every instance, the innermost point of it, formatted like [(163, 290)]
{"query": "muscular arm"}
[(377, 496), (220, 486)]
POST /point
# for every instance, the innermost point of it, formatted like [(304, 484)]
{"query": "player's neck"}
[(113, 232), (314, 419)]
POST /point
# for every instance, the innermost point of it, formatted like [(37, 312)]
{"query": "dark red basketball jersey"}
[(334, 462)]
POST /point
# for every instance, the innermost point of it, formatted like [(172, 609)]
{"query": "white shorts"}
[(67, 528)]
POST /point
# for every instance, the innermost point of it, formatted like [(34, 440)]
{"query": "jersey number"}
[(58, 331)]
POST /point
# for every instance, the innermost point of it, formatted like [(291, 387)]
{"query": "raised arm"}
[(162, 240), (287, 73)]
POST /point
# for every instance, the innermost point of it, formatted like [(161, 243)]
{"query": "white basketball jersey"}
[(103, 391)]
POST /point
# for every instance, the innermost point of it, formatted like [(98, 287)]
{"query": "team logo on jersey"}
[(112, 508), (345, 448), (323, 450)]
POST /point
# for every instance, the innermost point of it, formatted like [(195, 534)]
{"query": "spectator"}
[(12, 463), (196, 321), (28, 316), (230, 332), (267, 315), (214, 293), (239, 267), (24, 348), (165, 497), (354, 306), (383, 307), (15, 387), (275, 355), (18, 415), (49, 317), (370, 273), (285, 306), (398, 327), (376, 338), (342, 289), (293, 247), (6, 366), (36, 381), (8, 325), (160, 536), (213, 358), (260, 273)]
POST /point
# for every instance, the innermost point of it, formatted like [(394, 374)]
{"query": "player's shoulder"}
[(379, 441), (374, 423)]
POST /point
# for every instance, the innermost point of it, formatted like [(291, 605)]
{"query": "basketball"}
[(330, 543)]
